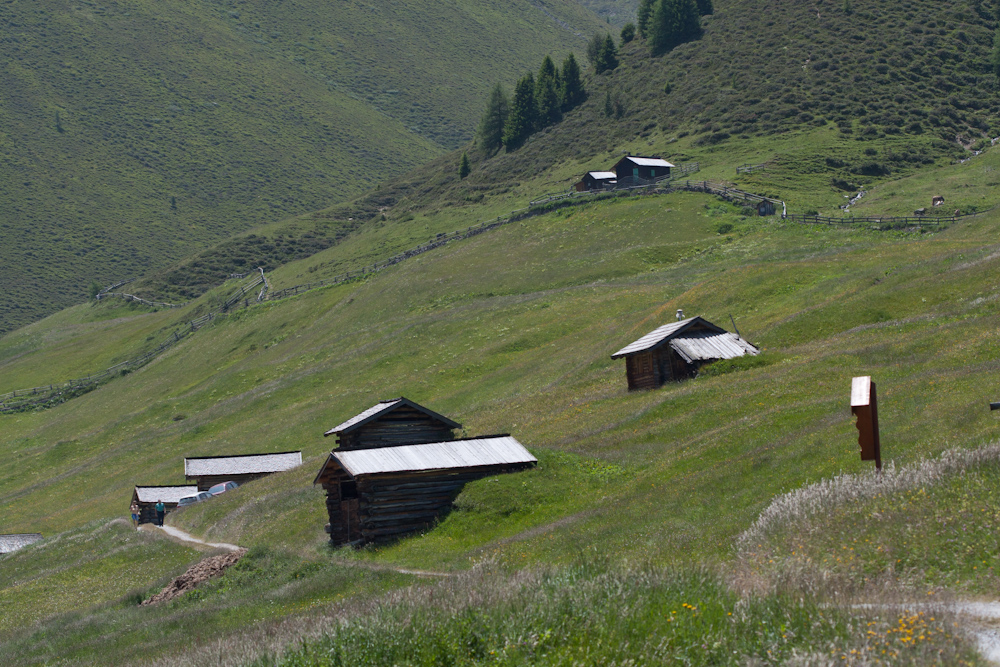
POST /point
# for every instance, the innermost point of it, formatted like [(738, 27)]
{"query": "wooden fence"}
[(750, 168), (628, 183)]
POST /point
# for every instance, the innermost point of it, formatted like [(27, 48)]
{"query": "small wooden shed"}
[(206, 471), (14, 541), (147, 497), (378, 494), (595, 180), (677, 350), (396, 421), (635, 169)]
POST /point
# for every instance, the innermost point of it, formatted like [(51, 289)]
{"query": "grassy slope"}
[(836, 102), (511, 331), (180, 124)]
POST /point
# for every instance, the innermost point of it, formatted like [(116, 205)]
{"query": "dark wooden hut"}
[(765, 207), (595, 180), (635, 170), (147, 497), (13, 542), (380, 493), (397, 421), (206, 471), (677, 350)]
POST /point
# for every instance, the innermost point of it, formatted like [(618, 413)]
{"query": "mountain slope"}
[(136, 133)]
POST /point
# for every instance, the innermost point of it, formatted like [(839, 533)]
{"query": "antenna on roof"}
[(734, 325)]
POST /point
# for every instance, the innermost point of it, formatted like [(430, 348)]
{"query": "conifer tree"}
[(609, 53), (705, 7), (672, 22), (572, 92), (492, 125), (463, 166), (547, 94), (523, 115), (628, 33), (642, 17)]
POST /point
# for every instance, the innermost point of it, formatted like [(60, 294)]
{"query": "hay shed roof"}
[(602, 175), (453, 454), (241, 464), (13, 542), (168, 494), (707, 341), (381, 408), (647, 161)]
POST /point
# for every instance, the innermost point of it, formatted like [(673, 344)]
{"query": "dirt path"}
[(179, 534)]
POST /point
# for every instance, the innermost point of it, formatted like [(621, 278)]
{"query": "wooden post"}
[(864, 405)]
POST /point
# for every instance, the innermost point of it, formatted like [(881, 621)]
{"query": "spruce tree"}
[(594, 47), (492, 125), (547, 94), (572, 92), (463, 166), (673, 22), (642, 17), (609, 53), (705, 7), (628, 33), (523, 115)]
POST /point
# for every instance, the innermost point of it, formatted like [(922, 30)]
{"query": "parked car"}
[(222, 487), (195, 498)]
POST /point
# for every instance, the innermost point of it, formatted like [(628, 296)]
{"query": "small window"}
[(348, 490)]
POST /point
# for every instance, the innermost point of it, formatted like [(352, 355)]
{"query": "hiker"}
[(160, 510), (135, 514)]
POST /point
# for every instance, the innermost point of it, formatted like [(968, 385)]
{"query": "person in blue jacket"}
[(161, 509)]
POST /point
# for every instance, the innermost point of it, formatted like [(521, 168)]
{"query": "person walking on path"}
[(160, 510), (135, 514)]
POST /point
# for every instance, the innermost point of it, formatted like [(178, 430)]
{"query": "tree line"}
[(666, 23), (536, 104)]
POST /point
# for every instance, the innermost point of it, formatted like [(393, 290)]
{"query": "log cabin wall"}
[(401, 426), (642, 371)]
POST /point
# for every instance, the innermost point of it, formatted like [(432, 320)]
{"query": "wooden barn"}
[(206, 471), (397, 421), (677, 350), (633, 169), (147, 497), (380, 493), (595, 180), (15, 541)]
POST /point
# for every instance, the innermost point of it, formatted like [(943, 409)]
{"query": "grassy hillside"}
[(137, 133), (512, 331), (831, 101)]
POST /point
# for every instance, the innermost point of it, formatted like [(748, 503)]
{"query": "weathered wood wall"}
[(402, 426)]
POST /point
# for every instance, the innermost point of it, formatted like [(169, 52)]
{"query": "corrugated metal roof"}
[(705, 346), (471, 453), (657, 336), (649, 161), (9, 543), (246, 464), (168, 494), (382, 407), (602, 175)]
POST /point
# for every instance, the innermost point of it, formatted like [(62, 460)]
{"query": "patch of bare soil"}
[(213, 566)]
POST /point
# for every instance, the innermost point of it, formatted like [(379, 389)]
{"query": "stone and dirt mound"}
[(213, 566)]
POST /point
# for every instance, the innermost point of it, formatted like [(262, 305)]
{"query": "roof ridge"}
[(236, 456)]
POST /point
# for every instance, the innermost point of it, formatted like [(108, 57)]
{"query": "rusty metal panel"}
[(454, 454), (242, 464), (864, 405)]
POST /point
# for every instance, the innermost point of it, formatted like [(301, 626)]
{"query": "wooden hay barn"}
[(677, 350), (596, 180), (240, 468), (15, 541), (634, 170), (147, 497), (378, 494), (397, 421)]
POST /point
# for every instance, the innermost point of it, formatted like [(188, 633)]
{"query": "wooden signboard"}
[(864, 405)]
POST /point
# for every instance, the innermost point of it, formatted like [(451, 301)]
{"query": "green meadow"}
[(511, 331)]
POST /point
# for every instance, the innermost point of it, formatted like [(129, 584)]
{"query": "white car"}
[(196, 498)]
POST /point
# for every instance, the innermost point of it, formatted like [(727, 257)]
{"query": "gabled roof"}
[(647, 161), (450, 455), (706, 346), (168, 494), (241, 464), (666, 332), (9, 543), (381, 408), (602, 175)]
